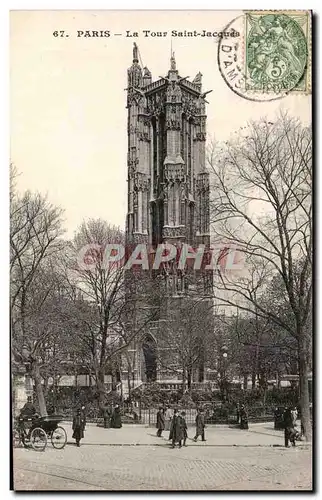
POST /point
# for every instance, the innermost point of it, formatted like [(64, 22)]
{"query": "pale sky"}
[(68, 115)]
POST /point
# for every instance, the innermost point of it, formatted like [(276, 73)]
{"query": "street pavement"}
[(134, 458)]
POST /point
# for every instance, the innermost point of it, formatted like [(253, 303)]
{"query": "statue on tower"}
[(197, 79), (173, 62)]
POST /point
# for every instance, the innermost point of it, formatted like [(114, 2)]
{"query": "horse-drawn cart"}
[(35, 431)]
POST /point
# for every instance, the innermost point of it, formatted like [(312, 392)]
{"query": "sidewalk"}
[(140, 435), (133, 458)]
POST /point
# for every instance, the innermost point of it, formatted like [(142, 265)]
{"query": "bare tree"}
[(102, 310), (35, 230), (262, 205), (184, 336)]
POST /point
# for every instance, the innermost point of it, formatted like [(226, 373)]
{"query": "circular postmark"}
[(267, 60)]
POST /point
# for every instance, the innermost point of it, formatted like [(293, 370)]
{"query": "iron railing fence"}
[(148, 416)]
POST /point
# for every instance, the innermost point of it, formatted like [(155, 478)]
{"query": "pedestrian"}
[(237, 413), (289, 431), (116, 421), (106, 416), (160, 421), (83, 412), (294, 415), (278, 416), (28, 410), (200, 425), (243, 418), (78, 427), (184, 427), (176, 430), (167, 418)]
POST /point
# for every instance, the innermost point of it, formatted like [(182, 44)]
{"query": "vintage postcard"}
[(161, 250)]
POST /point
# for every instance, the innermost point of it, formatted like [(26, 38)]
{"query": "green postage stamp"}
[(277, 51)]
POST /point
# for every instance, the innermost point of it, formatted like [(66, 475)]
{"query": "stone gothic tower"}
[(168, 200), (168, 186)]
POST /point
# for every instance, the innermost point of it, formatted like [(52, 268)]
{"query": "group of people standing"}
[(112, 417), (175, 423)]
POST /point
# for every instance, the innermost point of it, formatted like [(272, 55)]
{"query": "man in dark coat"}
[(200, 425), (243, 418), (116, 421), (28, 410), (78, 427), (176, 430), (278, 418), (184, 427), (160, 422), (289, 431)]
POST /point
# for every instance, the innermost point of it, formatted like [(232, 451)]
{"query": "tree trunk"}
[(114, 380), (189, 376), (304, 389), (183, 380), (129, 384), (245, 382), (100, 389), (39, 388)]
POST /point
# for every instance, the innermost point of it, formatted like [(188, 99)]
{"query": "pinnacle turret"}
[(134, 73)]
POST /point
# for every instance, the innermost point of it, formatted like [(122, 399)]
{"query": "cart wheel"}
[(16, 438), (58, 438), (38, 439)]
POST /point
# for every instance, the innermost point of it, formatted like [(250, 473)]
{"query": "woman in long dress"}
[(116, 421)]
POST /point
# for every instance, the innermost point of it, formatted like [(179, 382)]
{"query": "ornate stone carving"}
[(174, 173), (139, 238), (189, 104), (132, 129), (173, 124), (200, 136), (141, 182), (144, 136), (156, 102), (202, 183), (174, 93), (174, 232)]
